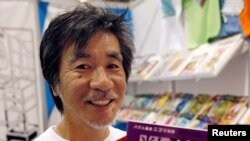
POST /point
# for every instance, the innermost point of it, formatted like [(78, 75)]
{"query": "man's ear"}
[(55, 90)]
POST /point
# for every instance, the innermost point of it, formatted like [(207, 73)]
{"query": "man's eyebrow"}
[(115, 55), (78, 55)]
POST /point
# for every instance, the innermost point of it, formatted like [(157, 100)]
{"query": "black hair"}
[(74, 29)]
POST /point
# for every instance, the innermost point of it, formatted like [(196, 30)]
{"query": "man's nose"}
[(101, 80)]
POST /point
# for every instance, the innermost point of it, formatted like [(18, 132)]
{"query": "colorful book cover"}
[(196, 104), (202, 119), (166, 60), (246, 118), (194, 61), (220, 53), (149, 66), (124, 114), (187, 115), (137, 115), (174, 106), (182, 122), (153, 102), (235, 112), (161, 102), (219, 111), (138, 65), (150, 117), (173, 68), (128, 99)]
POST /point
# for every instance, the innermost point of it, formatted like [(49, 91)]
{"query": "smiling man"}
[(86, 57)]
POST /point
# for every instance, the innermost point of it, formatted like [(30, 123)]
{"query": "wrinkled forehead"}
[(97, 40)]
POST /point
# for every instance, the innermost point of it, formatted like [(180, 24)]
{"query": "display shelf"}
[(205, 62)]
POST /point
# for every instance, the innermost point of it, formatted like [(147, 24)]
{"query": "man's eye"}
[(113, 66), (83, 66)]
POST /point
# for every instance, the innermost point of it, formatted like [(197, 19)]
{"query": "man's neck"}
[(79, 132)]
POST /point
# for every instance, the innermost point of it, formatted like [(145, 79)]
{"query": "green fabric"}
[(202, 22)]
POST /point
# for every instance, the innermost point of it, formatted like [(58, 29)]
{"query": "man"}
[(86, 57)]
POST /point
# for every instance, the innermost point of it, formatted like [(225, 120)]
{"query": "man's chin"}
[(99, 125)]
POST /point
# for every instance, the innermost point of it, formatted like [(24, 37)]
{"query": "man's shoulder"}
[(49, 135)]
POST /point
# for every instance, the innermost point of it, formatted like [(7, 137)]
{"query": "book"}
[(141, 131), (201, 120), (166, 60), (235, 111), (175, 65), (174, 106), (246, 118), (195, 105), (149, 66), (194, 60), (222, 109), (220, 53), (137, 66)]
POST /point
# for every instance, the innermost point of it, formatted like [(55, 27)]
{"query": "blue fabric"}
[(122, 125), (119, 11), (42, 14), (49, 99), (167, 8), (230, 24), (43, 6), (128, 16)]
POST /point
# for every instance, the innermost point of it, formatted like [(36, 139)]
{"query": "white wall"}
[(146, 21)]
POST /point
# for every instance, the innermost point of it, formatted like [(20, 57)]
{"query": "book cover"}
[(220, 53), (246, 117), (166, 60), (140, 131), (235, 111), (124, 114), (191, 110), (138, 65), (201, 120), (194, 60), (161, 102), (174, 66), (149, 66), (196, 104), (174, 106)]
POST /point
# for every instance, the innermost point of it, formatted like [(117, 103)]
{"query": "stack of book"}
[(186, 110)]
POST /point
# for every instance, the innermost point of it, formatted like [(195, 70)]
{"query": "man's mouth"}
[(101, 102)]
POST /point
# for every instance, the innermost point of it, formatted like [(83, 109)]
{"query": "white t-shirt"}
[(51, 135)]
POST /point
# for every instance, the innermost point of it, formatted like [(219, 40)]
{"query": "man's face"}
[(92, 83)]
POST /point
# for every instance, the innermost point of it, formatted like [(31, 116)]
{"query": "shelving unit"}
[(229, 52), (239, 48), (18, 84)]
